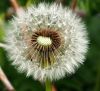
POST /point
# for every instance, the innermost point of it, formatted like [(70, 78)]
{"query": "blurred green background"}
[(86, 78)]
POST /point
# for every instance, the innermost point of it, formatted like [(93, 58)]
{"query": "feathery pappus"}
[(47, 41)]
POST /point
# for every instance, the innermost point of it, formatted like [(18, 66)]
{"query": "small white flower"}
[(47, 42)]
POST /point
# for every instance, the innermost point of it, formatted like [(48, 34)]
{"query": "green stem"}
[(48, 85)]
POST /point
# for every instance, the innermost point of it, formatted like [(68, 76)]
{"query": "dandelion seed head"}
[(47, 42)]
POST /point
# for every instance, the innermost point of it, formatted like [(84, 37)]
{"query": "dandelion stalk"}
[(16, 6), (53, 88), (73, 4), (48, 85), (5, 81), (3, 45)]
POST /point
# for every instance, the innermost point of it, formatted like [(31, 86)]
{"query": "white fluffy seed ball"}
[(47, 42)]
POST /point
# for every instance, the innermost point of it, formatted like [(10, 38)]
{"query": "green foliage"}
[(86, 78), (90, 7)]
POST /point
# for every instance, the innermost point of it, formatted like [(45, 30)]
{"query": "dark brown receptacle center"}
[(53, 35), (45, 54)]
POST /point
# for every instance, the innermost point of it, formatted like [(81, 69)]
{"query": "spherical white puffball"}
[(47, 42)]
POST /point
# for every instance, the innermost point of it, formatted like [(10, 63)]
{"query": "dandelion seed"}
[(47, 42)]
